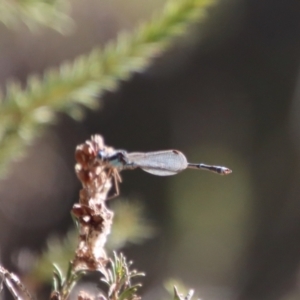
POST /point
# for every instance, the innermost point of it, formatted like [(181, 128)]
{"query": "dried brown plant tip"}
[(94, 219)]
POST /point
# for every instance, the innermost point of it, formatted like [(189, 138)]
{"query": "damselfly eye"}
[(101, 155)]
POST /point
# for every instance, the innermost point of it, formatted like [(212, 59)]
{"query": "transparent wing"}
[(160, 163)]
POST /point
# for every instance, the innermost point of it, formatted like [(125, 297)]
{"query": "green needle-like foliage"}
[(51, 13), (178, 296), (76, 85), (118, 278)]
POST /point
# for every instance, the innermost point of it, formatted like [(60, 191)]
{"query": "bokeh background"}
[(226, 93)]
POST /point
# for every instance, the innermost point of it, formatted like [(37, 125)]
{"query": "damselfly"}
[(160, 163)]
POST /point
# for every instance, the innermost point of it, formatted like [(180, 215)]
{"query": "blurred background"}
[(226, 93)]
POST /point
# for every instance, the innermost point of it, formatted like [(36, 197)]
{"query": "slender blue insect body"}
[(160, 163)]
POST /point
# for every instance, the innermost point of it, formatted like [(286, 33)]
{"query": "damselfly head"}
[(116, 159)]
